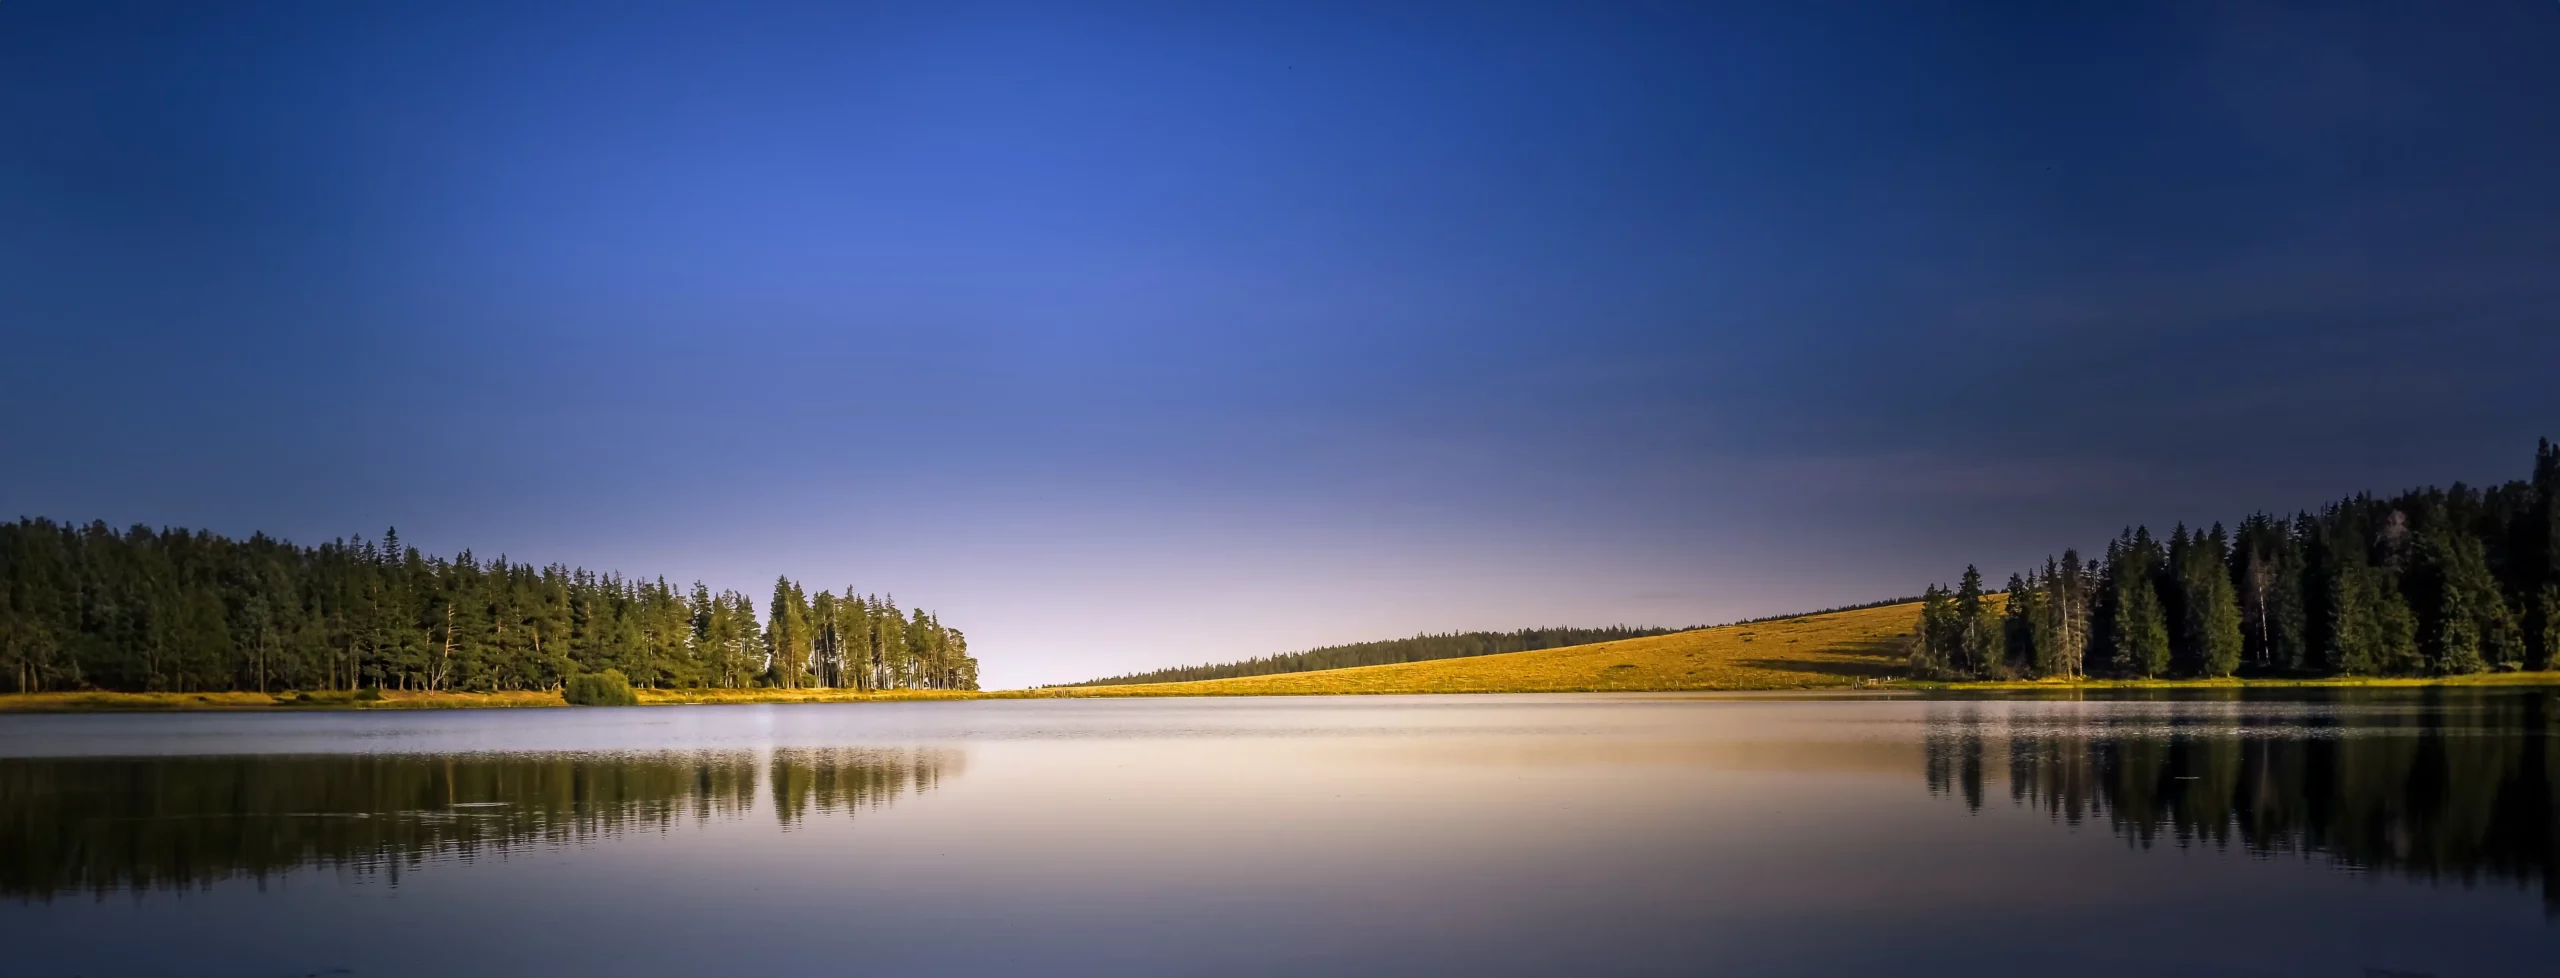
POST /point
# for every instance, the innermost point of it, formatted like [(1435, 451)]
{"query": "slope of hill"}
[(1419, 648), (1842, 648)]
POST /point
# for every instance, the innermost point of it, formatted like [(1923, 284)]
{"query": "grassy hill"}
[(1843, 648)]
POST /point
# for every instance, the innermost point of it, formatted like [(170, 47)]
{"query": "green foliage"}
[(369, 694), (2547, 627), (2138, 641), (1934, 655), (607, 688), (2212, 606), (1979, 645), (2431, 582), (183, 611)]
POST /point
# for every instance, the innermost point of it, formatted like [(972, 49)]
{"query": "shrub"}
[(368, 694), (607, 688)]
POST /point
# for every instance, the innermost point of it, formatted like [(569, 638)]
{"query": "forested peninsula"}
[(177, 610), (2431, 582)]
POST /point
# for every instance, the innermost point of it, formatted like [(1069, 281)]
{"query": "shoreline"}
[(239, 702), (2541, 678), (92, 701)]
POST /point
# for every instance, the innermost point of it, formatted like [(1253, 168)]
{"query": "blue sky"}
[(1126, 335)]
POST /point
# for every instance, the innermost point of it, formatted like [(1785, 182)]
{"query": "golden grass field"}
[(1840, 649)]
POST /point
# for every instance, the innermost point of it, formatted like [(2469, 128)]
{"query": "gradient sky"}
[(1129, 335)]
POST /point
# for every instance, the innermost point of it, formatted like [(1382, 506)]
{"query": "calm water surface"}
[(2412, 833)]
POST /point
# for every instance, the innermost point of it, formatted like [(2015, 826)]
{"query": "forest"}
[(1420, 648), (177, 610), (2432, 582)]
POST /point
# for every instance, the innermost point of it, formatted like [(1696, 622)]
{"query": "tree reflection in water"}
[(107, 824), (2439, 784)]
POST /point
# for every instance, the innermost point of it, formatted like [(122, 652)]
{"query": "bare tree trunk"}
[(444, 666)]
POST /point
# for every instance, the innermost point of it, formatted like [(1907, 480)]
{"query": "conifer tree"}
[(2070, 584), (1978, 635), (2291, 613), (2396, 632), (2213, 613), (2355, 631), (2549, 603), (1932, 656), (2173, 580), (2539, 583), (2141, 625), (826, 643), (787, 637)]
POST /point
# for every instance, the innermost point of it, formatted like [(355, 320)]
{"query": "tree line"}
[(1450, 645), (2431, 582), (177, 610)]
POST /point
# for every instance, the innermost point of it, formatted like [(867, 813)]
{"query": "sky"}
[(1129, 335)]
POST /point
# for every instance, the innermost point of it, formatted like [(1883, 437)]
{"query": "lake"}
[(2388, 833)]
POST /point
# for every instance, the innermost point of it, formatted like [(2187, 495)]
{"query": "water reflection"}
[(2445, 785), (107, 824)]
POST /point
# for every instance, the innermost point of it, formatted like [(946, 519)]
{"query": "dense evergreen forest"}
[(2432, 582), (86, 607), (1453, 645)]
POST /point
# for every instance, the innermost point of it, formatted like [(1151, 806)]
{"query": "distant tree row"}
[(191, 611), (1452, 645), (2431, 582)]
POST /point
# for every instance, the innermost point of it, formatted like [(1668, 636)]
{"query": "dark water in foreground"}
[(2396, 835)]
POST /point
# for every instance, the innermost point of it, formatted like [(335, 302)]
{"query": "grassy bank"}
[(94, 702), (678, 697), (1845, 649)]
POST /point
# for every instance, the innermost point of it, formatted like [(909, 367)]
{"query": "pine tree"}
[(2538, 581), (889, 625), (2255, 571), (2173, 579), (2292, 611), (2020, 622), (2050, 623), (787, 635), (1978, 641), (2070, 608), (2213, 611), (2549, 631), (2396, 633), (827, 643), (1932, 656), (2141, 625)]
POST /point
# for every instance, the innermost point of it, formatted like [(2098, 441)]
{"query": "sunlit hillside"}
[(1836, 649)]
